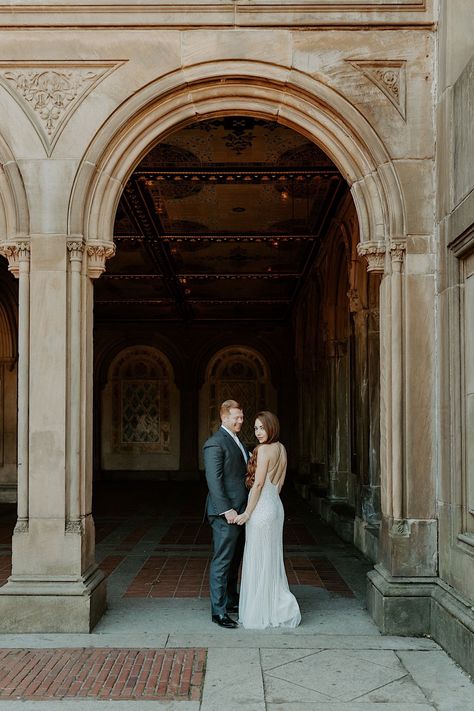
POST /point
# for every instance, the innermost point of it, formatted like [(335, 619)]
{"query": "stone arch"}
[(14, 213), (140, 422), (239, 372), (254, 88)]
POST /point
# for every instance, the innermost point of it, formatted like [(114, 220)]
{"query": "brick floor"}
[(181, 576), (114, 674), (125, 518)]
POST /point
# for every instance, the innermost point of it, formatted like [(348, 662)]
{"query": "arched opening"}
[(235, 241), (8, 385)]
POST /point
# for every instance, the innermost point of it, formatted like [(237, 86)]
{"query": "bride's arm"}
[(256, 490)]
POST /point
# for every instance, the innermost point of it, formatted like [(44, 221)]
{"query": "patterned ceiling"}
[(220, 221)]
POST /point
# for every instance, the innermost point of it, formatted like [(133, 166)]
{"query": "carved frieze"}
[(389, 76), (374, 253), (49, 92)]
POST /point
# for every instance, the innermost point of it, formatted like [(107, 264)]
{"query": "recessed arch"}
[(14, 213), (259, 89)]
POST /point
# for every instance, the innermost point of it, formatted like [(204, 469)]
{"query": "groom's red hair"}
[(227, 406)]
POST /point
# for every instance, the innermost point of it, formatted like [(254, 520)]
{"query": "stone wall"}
[(453, 621)]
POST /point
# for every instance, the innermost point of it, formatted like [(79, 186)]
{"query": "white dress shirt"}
[(242, 449)]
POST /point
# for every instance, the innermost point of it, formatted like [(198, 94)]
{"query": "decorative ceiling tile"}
[(389, 76), (49, 92)]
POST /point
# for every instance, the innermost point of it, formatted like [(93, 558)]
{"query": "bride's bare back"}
[(275, 454)]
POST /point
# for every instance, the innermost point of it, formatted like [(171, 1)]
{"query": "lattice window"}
[(141, 380), (241, 374)]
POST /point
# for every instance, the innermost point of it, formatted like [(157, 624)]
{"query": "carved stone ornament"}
[(75, 527), (76, 249), (15, 252), (97, 253), (21, 526), (397, 250), (389, 77), (49, 92), (374, 253)]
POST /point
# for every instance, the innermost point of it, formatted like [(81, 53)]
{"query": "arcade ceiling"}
[(221, 221)]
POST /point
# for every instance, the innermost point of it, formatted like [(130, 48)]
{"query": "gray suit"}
[(225, 475)]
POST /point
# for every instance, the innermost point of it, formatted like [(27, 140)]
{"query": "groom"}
[(225, 460)]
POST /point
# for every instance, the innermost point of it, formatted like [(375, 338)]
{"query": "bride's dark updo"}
[(271, 426)]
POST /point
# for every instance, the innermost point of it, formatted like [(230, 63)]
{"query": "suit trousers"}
[(228, 540)]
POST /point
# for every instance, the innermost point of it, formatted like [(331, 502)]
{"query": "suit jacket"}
[(225, 474)]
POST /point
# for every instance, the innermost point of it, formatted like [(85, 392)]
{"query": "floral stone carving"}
[(389, 77), (49, 93)]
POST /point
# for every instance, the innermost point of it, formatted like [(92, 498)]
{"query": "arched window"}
[(140, 415), (238, 373)]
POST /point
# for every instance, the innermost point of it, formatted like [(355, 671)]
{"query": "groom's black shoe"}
[(224, 621)]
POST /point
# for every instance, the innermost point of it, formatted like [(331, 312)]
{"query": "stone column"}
[(55, 584), (338, 420), (399, 588), (18, 255)]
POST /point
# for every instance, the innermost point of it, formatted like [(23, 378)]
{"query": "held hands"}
[(230, 516), (241, 518)]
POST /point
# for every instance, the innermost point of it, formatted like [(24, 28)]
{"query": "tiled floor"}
[(154, 530)]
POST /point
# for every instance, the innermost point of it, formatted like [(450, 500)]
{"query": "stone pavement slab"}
[(282, 640), (358, 706), (233, 681), (444, 684)]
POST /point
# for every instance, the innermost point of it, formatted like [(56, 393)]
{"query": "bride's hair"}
[(271, 426)]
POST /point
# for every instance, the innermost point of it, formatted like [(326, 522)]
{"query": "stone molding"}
[(15, 252), (463, 245), (49, 92), (389, 76), (374, 253), (146, 15), (97, 253)]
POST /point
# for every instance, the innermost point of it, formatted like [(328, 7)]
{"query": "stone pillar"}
[(338, 420), (399, 588), (55, 585)]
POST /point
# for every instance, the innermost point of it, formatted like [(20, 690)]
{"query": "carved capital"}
[(15, 252), (355, 304), (97, 253), (397, 250), (75, 527), (75, 248), (21, 526), (374, 253)]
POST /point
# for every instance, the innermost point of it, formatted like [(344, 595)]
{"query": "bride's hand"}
[(241, 519)]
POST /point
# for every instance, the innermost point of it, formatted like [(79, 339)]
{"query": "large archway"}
[(207, 91), (360, 157)]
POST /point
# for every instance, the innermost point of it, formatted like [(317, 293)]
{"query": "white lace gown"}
[(265, 598)]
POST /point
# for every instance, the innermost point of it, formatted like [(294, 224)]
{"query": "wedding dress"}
[(265, 598)]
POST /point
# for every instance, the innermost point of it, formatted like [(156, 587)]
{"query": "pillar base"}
[(423, 606), (399, 606), (40, 605)]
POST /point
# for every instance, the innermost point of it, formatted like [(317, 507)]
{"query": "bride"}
[(265, 598)]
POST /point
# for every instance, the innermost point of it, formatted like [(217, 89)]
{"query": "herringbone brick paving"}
[(114, 674)]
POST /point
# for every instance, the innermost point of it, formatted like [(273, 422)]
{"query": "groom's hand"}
[(230, 516)]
